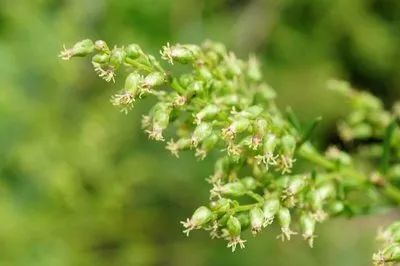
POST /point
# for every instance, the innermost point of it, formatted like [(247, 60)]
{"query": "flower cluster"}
[(266, 168)]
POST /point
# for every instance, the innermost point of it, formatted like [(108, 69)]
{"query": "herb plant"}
[(266, 169)]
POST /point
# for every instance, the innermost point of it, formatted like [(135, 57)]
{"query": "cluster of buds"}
[(390, 253), (222, 105)]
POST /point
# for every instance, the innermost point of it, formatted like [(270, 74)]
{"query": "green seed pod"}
[(234, 227), (220, 205), (233, 189), (249, 182), (307, 225), (270, 209), (117, 57), (133, 51), (202, 131), (101, 58), (256, 220), (208, 112)]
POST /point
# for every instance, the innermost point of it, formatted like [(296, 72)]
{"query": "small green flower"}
[(199, 218), (234, 229), (80, 49), (257, 220)]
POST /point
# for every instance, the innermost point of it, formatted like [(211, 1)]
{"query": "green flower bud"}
[(195, 87), (388, 255), (79, 49), (133, 51), (209, 111), (220, 205), (336, 207), (235, 189), (202, 131), (117, 57), (256, 220), (233, 65), (288, 143), (284, 218), (199, 218), (260, 126), (307, 225), (249, 182), (207, 145), (132, 82), (321, 194), (234, 227), (179, 53), (216, 47), (101, 46), (244, 220), (270, 209), (160, 114), (181, 144), (101, 58), (237, 126), (253, 69), (205, 74), (251, 112), (152, 80), (296, 184), (265, 93)]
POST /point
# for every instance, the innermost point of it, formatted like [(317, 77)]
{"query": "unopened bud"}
[(133, 51), (81, 48), (256, 220)]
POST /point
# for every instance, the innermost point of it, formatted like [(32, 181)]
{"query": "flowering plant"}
[(266, 170)]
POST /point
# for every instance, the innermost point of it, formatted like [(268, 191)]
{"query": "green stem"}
[(308, 152)]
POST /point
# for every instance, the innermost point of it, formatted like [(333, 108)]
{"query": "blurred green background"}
[(80, 184)]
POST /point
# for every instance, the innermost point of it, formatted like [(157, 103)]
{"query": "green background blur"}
[(80, 184)]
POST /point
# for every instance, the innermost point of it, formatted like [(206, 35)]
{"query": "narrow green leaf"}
[(309, 131), (385, 161), (293, 119)]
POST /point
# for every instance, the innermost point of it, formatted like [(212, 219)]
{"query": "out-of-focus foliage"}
[(79, 182)]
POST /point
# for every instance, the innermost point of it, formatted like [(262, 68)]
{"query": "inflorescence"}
[(222, 105)]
